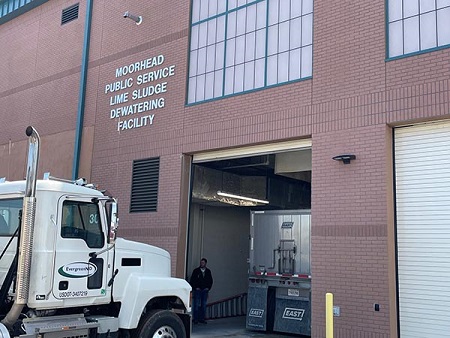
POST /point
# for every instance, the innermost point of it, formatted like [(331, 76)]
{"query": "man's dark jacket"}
[(200, 281)]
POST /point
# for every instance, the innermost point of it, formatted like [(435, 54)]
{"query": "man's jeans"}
[(200, 298)]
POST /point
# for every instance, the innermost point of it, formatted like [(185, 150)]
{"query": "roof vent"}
[(69, 14)]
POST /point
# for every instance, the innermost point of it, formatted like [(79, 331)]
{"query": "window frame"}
[(75, 224), (6, 206), (24, 6), (196, 93), (419, 15)]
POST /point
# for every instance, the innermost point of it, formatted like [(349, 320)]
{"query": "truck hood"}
[(132, 246), (142, 258)]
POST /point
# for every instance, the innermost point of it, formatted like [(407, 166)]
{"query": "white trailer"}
[(279, 291), (63, 272)]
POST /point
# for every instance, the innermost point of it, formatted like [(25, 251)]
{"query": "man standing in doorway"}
[(201, 282)]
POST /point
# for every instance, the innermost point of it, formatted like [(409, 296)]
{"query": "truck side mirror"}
[(113, 219)]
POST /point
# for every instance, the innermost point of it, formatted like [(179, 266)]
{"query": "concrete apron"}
[(232, 327)]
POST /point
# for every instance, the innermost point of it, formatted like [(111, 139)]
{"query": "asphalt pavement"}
[(231, 327)]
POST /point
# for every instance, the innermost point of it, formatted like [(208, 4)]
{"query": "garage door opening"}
[(226, 194), (422, 176)]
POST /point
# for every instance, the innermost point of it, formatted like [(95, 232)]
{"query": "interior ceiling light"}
[(245, 198)]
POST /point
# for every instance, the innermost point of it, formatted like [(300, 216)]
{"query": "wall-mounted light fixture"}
[(239, 197), (344, 158), (135, 18)]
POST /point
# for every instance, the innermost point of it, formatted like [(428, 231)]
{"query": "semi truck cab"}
[(60, 258)]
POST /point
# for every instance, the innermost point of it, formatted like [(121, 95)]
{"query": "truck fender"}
[(140, 289), (4, 333)]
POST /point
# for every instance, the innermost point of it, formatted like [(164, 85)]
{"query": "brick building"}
[(257, 98)]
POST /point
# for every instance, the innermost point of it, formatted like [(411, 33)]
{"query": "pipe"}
[(82, 91), (26, 230), (32, 162)]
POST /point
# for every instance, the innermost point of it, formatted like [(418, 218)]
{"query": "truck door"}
[(81, 258)]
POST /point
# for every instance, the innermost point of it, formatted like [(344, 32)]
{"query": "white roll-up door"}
[(422, 173)]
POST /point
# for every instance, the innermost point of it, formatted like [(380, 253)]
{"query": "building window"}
[(8, 6), (418, 25), (12, 8), (242, 45), (144, 187)]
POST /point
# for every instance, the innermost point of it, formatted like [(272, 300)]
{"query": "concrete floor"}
[(231, 327)]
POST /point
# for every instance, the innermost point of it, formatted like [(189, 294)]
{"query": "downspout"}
[(26, 231), (82, 90)]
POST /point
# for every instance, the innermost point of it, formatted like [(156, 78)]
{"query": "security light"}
[(135, 18), (344, 158)]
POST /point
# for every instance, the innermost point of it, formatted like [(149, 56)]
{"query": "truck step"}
[(58, 326)]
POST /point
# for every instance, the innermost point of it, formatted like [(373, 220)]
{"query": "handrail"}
[(227, 299), (227, 307)]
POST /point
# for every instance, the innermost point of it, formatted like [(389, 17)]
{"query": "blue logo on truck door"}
[(77, 270)]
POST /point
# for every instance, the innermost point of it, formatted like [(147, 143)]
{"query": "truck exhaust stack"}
[(26, 231)]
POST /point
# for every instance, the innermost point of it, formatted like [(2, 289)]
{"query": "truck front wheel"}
[(160, 324)]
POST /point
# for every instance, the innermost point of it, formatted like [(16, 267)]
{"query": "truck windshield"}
[(9, 215)]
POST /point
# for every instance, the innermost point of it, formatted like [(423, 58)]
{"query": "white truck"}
[(63, 272)]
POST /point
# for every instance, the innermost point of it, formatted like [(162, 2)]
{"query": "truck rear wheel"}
[(160, 324)]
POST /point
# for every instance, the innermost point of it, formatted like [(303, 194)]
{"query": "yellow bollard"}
[(329, 315)]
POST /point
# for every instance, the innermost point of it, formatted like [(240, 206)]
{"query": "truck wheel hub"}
[(165, 332)]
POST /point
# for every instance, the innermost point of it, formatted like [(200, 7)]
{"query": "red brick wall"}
[(39, 69), (349, 230), (349, 60)]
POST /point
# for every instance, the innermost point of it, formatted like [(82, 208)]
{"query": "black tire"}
[(160, 324)]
